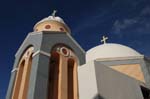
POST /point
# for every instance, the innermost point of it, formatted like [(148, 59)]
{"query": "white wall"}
[(87, 81)]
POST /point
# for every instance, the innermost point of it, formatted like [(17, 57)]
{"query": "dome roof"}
[(110, 50), (51, 23), (51, 18)]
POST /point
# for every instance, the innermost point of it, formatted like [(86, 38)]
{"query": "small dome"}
[(110, 50), (51, 23)]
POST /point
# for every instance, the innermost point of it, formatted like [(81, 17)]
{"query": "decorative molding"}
[(35, 33), (67, 51), (41, 52), (14, 70), (120, 58), (35, 53)]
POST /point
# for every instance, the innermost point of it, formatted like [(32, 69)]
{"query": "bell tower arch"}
[(21, 82), (63, 83)]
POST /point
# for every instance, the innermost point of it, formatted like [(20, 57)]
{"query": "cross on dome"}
[(54, 13), (104, 39)]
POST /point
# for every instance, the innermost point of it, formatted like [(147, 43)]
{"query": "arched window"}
[(23, 75), (53, 76), (48, 26), (70, 79), (18, 80), (63, 83), (27, 78)]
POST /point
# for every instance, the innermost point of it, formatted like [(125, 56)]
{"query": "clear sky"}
[(125, 22)]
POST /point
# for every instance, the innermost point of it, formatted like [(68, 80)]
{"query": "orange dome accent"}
[(52, 23)]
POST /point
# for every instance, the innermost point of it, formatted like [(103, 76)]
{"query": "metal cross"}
[(104, 39), (54, 13)]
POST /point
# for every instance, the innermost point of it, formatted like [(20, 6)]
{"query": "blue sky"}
[(125, 22)]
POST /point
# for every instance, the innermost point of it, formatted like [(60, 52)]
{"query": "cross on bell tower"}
[(54, 13), (104, 38)]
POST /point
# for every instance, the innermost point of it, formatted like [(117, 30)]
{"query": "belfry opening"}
[(53, 76), (21, 86), (71, 74), (62, 74), (18, 80)]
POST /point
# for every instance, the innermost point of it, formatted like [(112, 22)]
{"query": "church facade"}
[(50, 64)]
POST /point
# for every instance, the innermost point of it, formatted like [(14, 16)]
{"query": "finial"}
[(54, 13), (104, 39)]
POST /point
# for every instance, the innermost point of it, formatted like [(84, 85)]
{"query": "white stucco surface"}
[(87, 81), (110, 50)]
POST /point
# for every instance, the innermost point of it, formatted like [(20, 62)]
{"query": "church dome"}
[(110, 50), (51, 23)]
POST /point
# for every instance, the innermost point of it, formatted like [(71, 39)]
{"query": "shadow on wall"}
[(98, 96)]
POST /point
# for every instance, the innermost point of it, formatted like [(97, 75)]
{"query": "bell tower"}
[(46, 64)]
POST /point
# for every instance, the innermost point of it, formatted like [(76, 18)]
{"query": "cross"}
[(104, 39), (54, 13)]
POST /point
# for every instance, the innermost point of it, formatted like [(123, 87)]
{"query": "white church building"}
[(50, 64)]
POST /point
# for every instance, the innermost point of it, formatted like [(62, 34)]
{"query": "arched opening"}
[(27, 78), (23, 75), (62, 83), (18, 80), (53, 76), (70, 79)]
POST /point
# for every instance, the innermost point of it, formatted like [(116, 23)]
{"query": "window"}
[(62, 29), (27, 77), (53, 76), (18, 80), (47, 27), (70, 79), (21, 84), (63, 82)]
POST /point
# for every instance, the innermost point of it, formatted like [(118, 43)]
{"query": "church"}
[(50, 64)]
